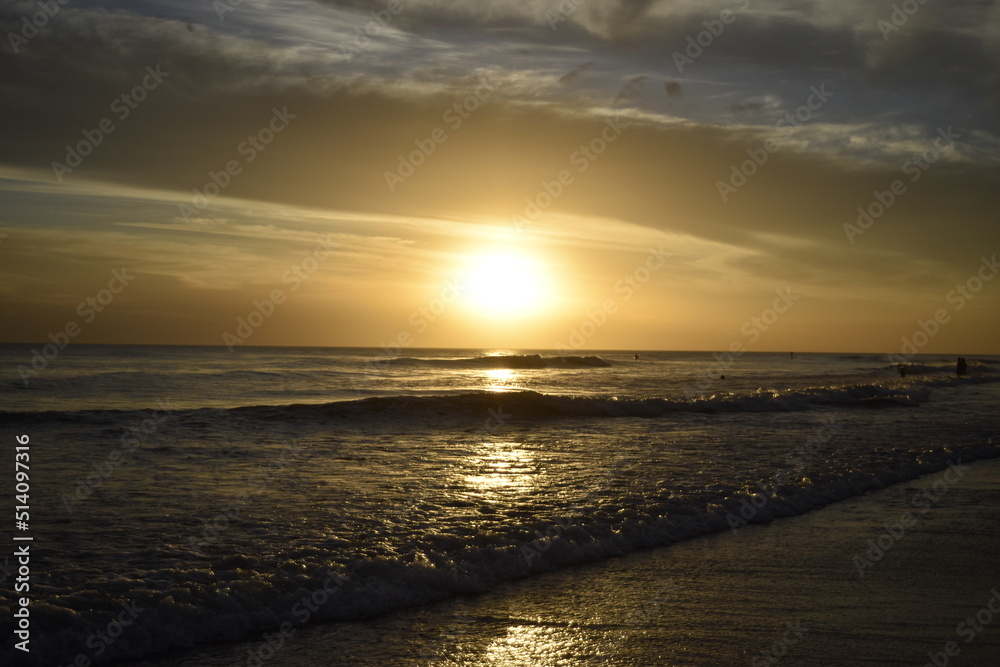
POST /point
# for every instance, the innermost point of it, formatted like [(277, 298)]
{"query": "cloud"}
[(365, 104), (632, 89), (934, 71), (575, 72)]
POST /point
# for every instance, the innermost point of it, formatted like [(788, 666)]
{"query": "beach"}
[(312, 506), (384, 332), (789, 592)]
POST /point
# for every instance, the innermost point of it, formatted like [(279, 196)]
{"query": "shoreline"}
[(854, 582)]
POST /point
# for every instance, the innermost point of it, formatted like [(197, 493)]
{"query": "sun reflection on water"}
[(501, 379), (531, 645), (500, 467)]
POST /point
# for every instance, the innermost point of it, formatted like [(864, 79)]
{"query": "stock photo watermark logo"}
[(252, 146), (967, 629), (101, 640), (799, 460), (958, 297), (452, 291), (264, 309), (23, 613), (627, 286), (581, 159), (666, 593), (455, 116), (915, 167), (302, 612), (879, 546), (380, 20), (565, 10), (88, 310), (752, 329), (122, 107), (699, 43), (740, 174), (901, 13), (759, 324), (780, 647), (31, 26), (213, 529), (421, 318), (222, 7), (434, 650), (135, 435), (543, 541)]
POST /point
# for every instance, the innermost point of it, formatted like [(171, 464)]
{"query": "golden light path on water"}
[(501, 379), (500, 467), (496, 471), (532, 645)]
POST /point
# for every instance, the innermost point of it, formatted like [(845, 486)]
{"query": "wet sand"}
[(888, 578)]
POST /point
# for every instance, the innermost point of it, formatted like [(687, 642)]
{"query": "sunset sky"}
[(503, 173)]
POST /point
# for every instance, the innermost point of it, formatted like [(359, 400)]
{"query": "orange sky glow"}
[(496, 175)]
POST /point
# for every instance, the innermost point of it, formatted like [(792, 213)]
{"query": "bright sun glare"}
[(506, 284)]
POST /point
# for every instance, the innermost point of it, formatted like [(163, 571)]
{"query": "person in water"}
[(902, 371), (961, 368)]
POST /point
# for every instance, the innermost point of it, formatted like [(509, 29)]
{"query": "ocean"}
[(188, 498)]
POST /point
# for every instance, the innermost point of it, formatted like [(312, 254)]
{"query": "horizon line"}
[(511, 349)]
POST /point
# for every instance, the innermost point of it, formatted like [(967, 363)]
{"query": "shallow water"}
[(219, 492)]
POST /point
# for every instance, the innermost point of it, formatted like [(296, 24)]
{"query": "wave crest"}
[(512, 361)]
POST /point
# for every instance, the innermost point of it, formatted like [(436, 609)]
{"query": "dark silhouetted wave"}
[(512, 361)]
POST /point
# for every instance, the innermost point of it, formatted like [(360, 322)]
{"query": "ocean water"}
[(185, 497)]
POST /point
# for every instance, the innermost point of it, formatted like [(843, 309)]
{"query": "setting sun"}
[(505, 284), (339, 332)]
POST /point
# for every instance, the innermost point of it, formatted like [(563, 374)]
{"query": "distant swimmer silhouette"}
[(636, 357), (902, 371), (791, 355), (961, 368)]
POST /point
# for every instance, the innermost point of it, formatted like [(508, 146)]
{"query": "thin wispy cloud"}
[(484, 105)]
